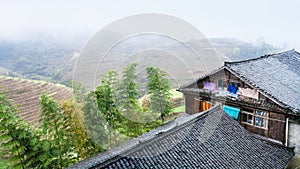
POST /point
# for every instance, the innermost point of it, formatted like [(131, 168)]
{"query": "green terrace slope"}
[(26, 93)]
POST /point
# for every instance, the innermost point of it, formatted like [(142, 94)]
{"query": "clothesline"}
[(247, 92)]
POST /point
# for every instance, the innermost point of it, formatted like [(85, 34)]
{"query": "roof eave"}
[(199, 79)]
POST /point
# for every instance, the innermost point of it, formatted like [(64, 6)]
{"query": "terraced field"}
[(25, 94)]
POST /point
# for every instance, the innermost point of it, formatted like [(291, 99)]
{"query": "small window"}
[(259, 112), (264, 123), (250, 119), (247, 116), (220, 84), (235, 84), (244, 117), (261, 119), (258, 121), (255, 118)]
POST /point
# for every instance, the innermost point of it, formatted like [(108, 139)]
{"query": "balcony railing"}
[(223, 96)]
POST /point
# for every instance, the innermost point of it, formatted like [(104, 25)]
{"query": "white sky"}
[(275, 20)]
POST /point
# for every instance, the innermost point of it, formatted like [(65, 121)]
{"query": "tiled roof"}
[(277, 75), (207, 140)]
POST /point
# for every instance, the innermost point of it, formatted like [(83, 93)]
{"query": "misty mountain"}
[(240, 50), (42, 57), (50, 58)]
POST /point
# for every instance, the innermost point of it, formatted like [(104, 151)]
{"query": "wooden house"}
[(262, 94)]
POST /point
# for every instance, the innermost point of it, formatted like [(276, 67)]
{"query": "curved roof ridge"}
[(261, 57)]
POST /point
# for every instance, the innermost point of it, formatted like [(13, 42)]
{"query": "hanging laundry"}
[(249, 92), (233, 112), (211, 86), (232, 89)]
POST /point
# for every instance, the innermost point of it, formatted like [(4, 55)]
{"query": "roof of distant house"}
[(210, 139), (277, 75)]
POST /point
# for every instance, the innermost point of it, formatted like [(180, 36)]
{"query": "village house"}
[(261, 94), (243, 115)]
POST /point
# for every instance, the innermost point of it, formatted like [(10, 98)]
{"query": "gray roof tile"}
[(209, 140), (278, 75)]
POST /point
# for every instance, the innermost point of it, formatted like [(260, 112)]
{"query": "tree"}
[(158, 89), (79, 91), (94, 121), (128, 89), (17, 138), (128, 94), (91, 125), (73, 115), (56, 129), (105, 95), (59, 142)]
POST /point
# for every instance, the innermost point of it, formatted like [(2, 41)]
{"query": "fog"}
[(274, 20)]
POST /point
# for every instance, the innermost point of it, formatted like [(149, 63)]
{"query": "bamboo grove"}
[(88, 123)]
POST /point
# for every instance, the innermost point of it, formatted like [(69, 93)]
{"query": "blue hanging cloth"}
[(232, 89), (232, 111)]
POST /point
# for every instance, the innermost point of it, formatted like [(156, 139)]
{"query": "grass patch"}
[(179, 109), (176, 94)]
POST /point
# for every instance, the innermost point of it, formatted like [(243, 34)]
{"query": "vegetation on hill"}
[(18, 139), (118, 105), (91, 122), (58, 142), (52, 59), (237, 50), (25, 94), (43, 58)]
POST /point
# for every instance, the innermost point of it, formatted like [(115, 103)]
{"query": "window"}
[(247, 117), (220, 84), (261, 119), (256, 118), (250, 119), (235, 84)]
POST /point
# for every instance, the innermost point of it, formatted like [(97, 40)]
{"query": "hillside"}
[(43, 58), (6, 72), (237, 50), (25, 94), (52, 59)]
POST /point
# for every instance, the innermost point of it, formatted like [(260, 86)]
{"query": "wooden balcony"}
[(239, 101)]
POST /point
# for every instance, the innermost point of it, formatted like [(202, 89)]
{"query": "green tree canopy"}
[(18, 139), (57, 130), (158, 89)]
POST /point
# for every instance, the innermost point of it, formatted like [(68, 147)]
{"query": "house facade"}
[(262, 94)]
